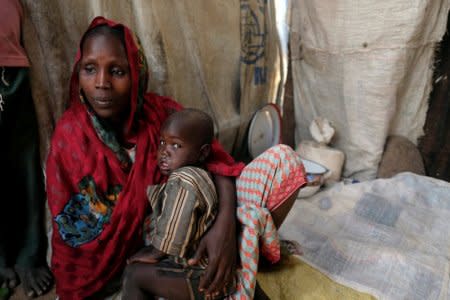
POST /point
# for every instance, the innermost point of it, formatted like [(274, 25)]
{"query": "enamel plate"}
[(265, 130), (311, 167)]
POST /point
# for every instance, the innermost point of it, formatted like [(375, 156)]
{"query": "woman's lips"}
[(103, 102)]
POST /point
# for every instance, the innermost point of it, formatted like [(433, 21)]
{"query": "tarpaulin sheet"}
[(386, 237), (366, 66)]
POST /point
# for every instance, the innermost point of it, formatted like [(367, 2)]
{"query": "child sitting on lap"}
[(183, 209)]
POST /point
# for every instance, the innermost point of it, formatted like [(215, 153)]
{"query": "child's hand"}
[(147, 255)]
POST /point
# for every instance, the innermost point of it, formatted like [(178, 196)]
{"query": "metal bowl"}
[(315, 176)]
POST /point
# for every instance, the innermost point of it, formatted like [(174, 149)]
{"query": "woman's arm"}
[(219, 242)]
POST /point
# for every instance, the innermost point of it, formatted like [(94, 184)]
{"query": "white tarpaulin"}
[(367, 67), (387, 237), (218, 56), (192, 48)]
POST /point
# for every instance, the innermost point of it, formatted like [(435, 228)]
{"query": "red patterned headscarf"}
[(96, 194)]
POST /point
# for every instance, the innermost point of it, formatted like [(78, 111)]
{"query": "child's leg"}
[(144, 280), (148, 255)]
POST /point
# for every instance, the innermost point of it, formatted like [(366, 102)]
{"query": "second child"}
[(183, 209)]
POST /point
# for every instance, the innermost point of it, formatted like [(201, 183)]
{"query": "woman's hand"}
[(219, 243)]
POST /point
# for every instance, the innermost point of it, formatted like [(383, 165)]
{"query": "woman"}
[(103, 157)]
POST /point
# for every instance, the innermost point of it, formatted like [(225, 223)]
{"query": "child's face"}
[(105, 76), (176, 149)]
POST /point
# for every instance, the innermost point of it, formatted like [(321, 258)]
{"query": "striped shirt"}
[(183, 209)]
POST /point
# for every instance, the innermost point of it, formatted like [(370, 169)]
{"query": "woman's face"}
[(104, 76)]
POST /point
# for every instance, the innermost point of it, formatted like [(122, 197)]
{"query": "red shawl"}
[(78, 153)]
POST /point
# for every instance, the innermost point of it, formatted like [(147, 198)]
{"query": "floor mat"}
[(295, 280)]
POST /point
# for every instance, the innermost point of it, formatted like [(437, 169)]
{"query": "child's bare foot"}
[(8, 278), (147, 255), (35, 281)]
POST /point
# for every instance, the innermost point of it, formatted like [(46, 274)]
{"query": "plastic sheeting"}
[(260, 63), (193, 49), (366, 66), (387, 237)]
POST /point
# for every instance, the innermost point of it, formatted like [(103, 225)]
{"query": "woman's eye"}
[(177, 146), (162, 142), (89, 69)]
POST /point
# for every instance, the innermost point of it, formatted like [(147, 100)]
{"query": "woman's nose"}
[(102, 80)]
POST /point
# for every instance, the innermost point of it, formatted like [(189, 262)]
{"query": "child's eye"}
[(177, 146), (162, 142)]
